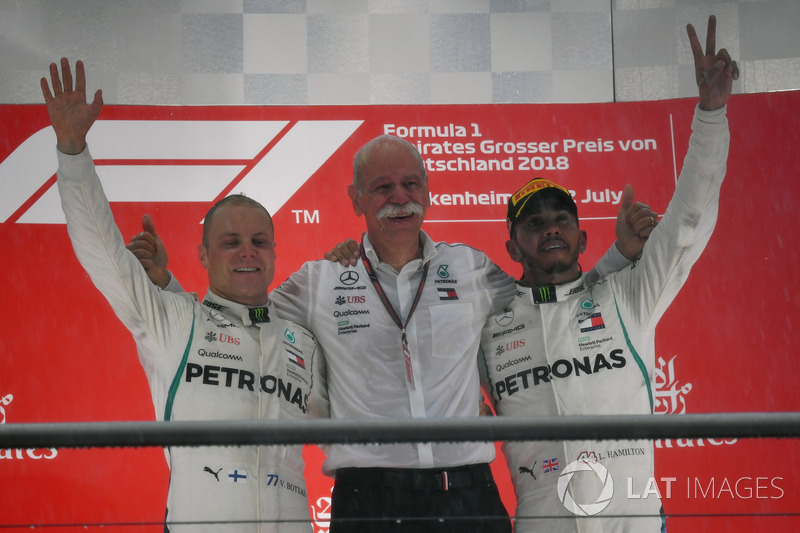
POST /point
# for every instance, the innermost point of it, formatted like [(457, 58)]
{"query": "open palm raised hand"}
[(69, 112)]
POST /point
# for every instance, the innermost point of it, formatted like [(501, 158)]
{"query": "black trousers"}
[(398, 500)]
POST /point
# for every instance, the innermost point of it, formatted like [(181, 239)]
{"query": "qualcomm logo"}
[(175, 161), (585, 509)]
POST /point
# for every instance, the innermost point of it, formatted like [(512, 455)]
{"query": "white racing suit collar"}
[(237, 310)]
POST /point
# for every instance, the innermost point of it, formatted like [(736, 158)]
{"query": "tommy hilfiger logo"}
[(446, 293), (592, 323)]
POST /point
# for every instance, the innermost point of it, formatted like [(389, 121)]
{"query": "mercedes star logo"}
[(505, 319), (349, 277)]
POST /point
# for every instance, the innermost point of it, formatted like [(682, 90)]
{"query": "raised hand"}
[(151, 252), (715, 71), (70, 115), (635, 222)]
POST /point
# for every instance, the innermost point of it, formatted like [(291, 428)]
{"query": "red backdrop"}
[(725, 345)]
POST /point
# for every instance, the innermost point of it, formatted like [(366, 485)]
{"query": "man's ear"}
[(354, 196), (513, 250), (583, 241), (202, 254)]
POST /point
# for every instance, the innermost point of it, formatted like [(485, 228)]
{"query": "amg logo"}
[(507, 331)]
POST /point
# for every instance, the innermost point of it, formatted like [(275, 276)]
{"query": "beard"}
[(539, 270)]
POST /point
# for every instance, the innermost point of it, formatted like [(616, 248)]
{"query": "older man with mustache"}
[(400, 328), (402, 345)]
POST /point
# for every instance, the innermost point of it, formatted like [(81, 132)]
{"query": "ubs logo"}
[(223, 338), (341, 300), (349, 277), (513, 345)]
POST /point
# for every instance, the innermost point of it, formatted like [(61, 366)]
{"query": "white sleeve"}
[(173, 286), (292, 298), (500, 285), (147, 312), (319, 405), (677, 242), (612, 261)]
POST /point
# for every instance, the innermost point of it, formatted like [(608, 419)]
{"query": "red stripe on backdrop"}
[(14, 217)]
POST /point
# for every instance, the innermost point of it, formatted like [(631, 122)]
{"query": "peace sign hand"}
[(715, 71)]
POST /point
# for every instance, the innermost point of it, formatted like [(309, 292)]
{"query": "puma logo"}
[(215, 474), (524, 470)]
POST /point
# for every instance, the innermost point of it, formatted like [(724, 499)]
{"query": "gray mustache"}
[(395, 210)]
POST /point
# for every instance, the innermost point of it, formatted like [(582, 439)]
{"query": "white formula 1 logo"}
[(175, 161)]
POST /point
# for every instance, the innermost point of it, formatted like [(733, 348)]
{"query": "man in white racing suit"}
[(566, 346), (229, 357)]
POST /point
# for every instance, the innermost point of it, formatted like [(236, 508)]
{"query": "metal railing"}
[(382, 431)]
